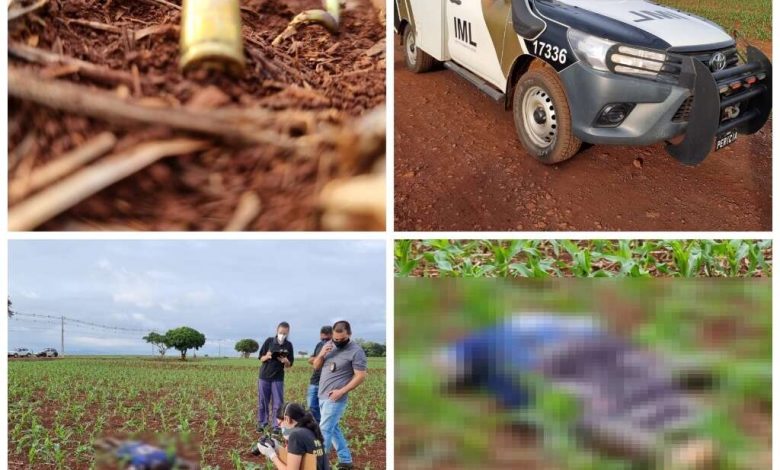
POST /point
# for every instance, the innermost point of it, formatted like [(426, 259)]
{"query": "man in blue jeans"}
[(343, 364), (312, 398)]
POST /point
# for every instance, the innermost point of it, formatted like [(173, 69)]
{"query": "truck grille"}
[(684, 112), (670, 71), (731, 60), (731, 56)]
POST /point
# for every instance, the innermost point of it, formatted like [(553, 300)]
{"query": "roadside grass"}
[(58, 408), (752, 19), (591, 258), (724, 325)]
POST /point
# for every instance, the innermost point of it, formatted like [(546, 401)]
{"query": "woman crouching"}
[(303, 438)]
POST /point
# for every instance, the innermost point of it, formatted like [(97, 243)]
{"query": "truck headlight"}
[(629, 60), (590, 49)]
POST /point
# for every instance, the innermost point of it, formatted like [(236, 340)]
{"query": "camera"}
[(265, 440)]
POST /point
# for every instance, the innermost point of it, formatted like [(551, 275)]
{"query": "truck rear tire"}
[(542, 117), (416, 59)]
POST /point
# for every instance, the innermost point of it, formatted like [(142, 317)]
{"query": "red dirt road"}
[(460, 167)]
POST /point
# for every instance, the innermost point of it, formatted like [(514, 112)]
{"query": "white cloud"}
[(138, 295), (137, 320), (100, 342), (159, 275), (200, 296), (227, 342), (199, 244), (367, 246), (151, 288), (29, 294)]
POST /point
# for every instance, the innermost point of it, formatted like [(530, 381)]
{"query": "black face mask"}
[(341, 344)]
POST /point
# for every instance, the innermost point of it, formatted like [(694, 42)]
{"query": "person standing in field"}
[(343, 363), (276, 354), (312, 398)]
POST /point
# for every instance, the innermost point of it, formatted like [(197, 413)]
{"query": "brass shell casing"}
[(211, 35)]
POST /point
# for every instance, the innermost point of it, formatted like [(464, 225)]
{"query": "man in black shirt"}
[(276, 354), (312, 400)]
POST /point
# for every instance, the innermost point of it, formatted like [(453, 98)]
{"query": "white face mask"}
[(286, 432), (280, 337)]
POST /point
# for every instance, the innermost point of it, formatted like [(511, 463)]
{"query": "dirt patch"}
[(483, 180), (226, 439), (221, 422), (332, 79)]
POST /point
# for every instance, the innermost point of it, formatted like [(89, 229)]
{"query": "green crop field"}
[(577, 258), (206, 408), (752, 19)]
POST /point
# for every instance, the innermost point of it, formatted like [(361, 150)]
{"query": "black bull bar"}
[(707, 120)]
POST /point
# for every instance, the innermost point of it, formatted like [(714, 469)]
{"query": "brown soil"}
[(314, 70), (460, 167), (227, 439)]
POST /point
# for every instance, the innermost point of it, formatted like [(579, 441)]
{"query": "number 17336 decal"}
[(550, 52)]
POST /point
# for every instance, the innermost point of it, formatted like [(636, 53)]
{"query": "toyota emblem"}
[(718, 61)]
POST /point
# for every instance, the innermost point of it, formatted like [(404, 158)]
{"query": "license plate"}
[(725, 139)]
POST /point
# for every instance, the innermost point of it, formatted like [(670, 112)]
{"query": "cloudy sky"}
[(228, 290)]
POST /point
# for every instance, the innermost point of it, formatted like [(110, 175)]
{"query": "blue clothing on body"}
[(627, 395), (140, 456), (495, 358)]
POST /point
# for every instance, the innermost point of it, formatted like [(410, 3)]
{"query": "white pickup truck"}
[(629, 72)]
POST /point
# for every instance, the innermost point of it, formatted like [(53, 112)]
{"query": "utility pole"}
[(220, 350), (62, 335)]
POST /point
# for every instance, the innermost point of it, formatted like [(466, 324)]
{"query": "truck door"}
[(475, 37)]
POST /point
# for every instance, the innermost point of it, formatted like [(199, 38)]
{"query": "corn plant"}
[(58, 409), (592, 258)]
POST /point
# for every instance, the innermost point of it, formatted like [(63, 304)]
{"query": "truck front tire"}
[(542, 117), (416, 59)]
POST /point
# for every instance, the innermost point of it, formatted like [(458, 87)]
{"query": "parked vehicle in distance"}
[(596, 71), (48, 352), (20, 352)]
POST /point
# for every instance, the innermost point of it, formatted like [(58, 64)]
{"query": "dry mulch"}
[(327, 79)]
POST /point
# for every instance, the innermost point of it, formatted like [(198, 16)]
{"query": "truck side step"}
[(484, 86)]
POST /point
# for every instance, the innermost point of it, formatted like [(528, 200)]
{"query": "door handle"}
[(456, 2)]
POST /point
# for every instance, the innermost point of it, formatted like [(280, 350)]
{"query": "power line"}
[(80, 325), (23, 322), (83, 322), (73, 323)]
